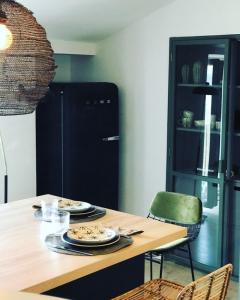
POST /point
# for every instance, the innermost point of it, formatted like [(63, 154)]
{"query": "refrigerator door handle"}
[(111, 138)]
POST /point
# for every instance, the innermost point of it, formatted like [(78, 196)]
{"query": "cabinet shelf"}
[(236, 181), (197, 130), (202, 89), (194, 85), (194, 175)]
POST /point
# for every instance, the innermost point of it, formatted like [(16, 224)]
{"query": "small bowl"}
[(199, 123)]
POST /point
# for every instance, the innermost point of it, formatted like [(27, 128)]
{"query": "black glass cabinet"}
[(203, 156)]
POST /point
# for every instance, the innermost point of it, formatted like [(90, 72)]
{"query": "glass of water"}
[(60, 221), (47, 207)]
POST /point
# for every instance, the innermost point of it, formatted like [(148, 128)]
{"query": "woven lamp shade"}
[(27, 66)]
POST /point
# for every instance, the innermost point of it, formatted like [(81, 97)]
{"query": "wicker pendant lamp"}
[(26, 60)]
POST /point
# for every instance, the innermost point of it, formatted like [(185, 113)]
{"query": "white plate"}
[(66, 239), (85, 213), (110, 234), (83, 206)]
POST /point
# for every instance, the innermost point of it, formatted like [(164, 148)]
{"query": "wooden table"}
[(27, 265), (10, 295)]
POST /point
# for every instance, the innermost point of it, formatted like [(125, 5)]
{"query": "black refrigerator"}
[(77, 143)]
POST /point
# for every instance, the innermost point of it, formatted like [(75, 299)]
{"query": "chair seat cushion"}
[(171, 244)]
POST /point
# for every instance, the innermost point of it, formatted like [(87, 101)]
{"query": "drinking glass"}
[(48, 206), (60, 221)]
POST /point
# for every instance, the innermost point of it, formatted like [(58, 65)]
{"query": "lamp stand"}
[(2, 152), (6, 188)]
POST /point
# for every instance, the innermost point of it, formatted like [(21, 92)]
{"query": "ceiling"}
[(89, 20)]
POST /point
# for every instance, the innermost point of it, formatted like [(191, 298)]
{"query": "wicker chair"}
[(212, 287), (179, 209)]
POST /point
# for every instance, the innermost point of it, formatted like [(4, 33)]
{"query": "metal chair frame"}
[(192, 233)]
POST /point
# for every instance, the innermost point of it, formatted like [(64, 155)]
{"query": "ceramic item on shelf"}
[(213, 121), (188, 114), (218, 125), (185, 73), (186, 118), (187, 122), (199, 123), (198, 72)]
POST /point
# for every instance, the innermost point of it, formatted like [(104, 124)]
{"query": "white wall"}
[(72, 68), (18, 135), (73, 47), (63, 71), (136, 59)]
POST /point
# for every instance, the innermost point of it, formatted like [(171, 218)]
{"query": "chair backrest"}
[(211, 287), (177, 207)]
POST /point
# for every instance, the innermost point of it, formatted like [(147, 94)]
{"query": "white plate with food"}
[(73, 205), (66, 239), (90, 234)]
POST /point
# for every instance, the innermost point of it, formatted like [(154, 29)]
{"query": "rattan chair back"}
[(210, 287)]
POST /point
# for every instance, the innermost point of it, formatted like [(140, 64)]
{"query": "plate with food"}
[(66, 240), (90, 234), (73, 205)]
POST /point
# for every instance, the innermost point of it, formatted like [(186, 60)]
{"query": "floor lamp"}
[(5, 170)]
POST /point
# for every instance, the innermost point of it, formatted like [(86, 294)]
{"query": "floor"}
[(182, 275)]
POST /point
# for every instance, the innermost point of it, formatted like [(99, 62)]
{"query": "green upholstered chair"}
[(179, 209)]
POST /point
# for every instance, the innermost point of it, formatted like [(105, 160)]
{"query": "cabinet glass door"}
[(200, 71), (206, 249), (233, 174), (235, 170), (197, 137)]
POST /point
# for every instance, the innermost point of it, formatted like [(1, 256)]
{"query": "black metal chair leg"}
[(161, 267), (190, 258), (151, 264)]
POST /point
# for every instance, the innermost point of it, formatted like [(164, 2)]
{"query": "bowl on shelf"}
[(199, 123)]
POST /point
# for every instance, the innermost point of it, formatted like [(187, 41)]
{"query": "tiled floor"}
[(182, 275)]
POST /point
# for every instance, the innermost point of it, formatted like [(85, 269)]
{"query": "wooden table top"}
[(27, 265), (10, 295)]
